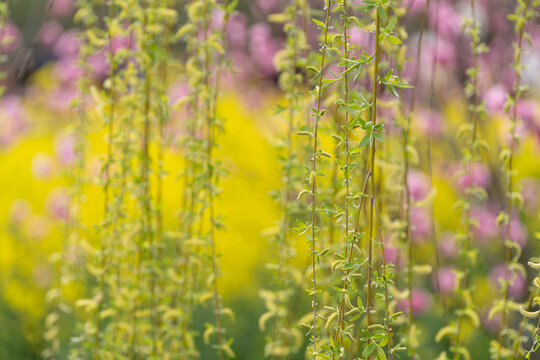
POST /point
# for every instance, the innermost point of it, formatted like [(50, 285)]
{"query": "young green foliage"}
[(472, 192), (284, 339), (317, 113), (523, 14)]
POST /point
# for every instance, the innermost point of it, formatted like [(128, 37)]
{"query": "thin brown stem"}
[(211, 116), (510, 185), (313, 179), (338, 340), (372, 150), (472, 155), (434, 238), (109, 160), (385, 277)]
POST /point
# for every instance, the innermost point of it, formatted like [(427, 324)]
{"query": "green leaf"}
[(382, 13), (378, 136), (319, 23), (380, 354), (393, 39), (325, 154), (368, 350), (392, 24), (403, 86), (365, 141), (444, 332)]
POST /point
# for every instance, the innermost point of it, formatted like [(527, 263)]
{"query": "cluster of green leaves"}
[(341, 322), (284, 338), (342, 256), (210, 63), (147, 280), (472, 194), (74, 232), (528, 314), (123, 314), (409, 159), (351, 282), (512, 347)]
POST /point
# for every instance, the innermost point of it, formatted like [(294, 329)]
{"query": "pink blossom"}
[(243, 66), (217, 19), (430, 122), (420, 224), (61, 98), (486, 227), (38, 227), (521, 132), (99, 64), (447, 246), (516, 280), (263, 48), (495, 98), (385, 112), (237, 31), (480, 177), (67, 45), (12, 107), (7, 135), (446, 280), (10, 37), (492, 325), (65, 149), (518, 232), (58, 204), (465, 11), (41, 166), (531, 61), (19, 211), (13, 118), (358, 38), (418, 185), (268, 6), (177, 91), (121, 42), (391, 254), (50, 32), (444, 53), (530, 193), (449, 20), (415, 6), (421, 302), (67, 70), (61, 7), (527, 109)]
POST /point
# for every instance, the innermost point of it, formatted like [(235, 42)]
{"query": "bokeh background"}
[(37, 150)]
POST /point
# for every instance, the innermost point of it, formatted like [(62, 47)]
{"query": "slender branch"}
[(372, 150), (349, 254), (406, 142), (471, 156), (211, 116), (510, 180), (109, 160), (385, 276), (313, 179), (434, 237)]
